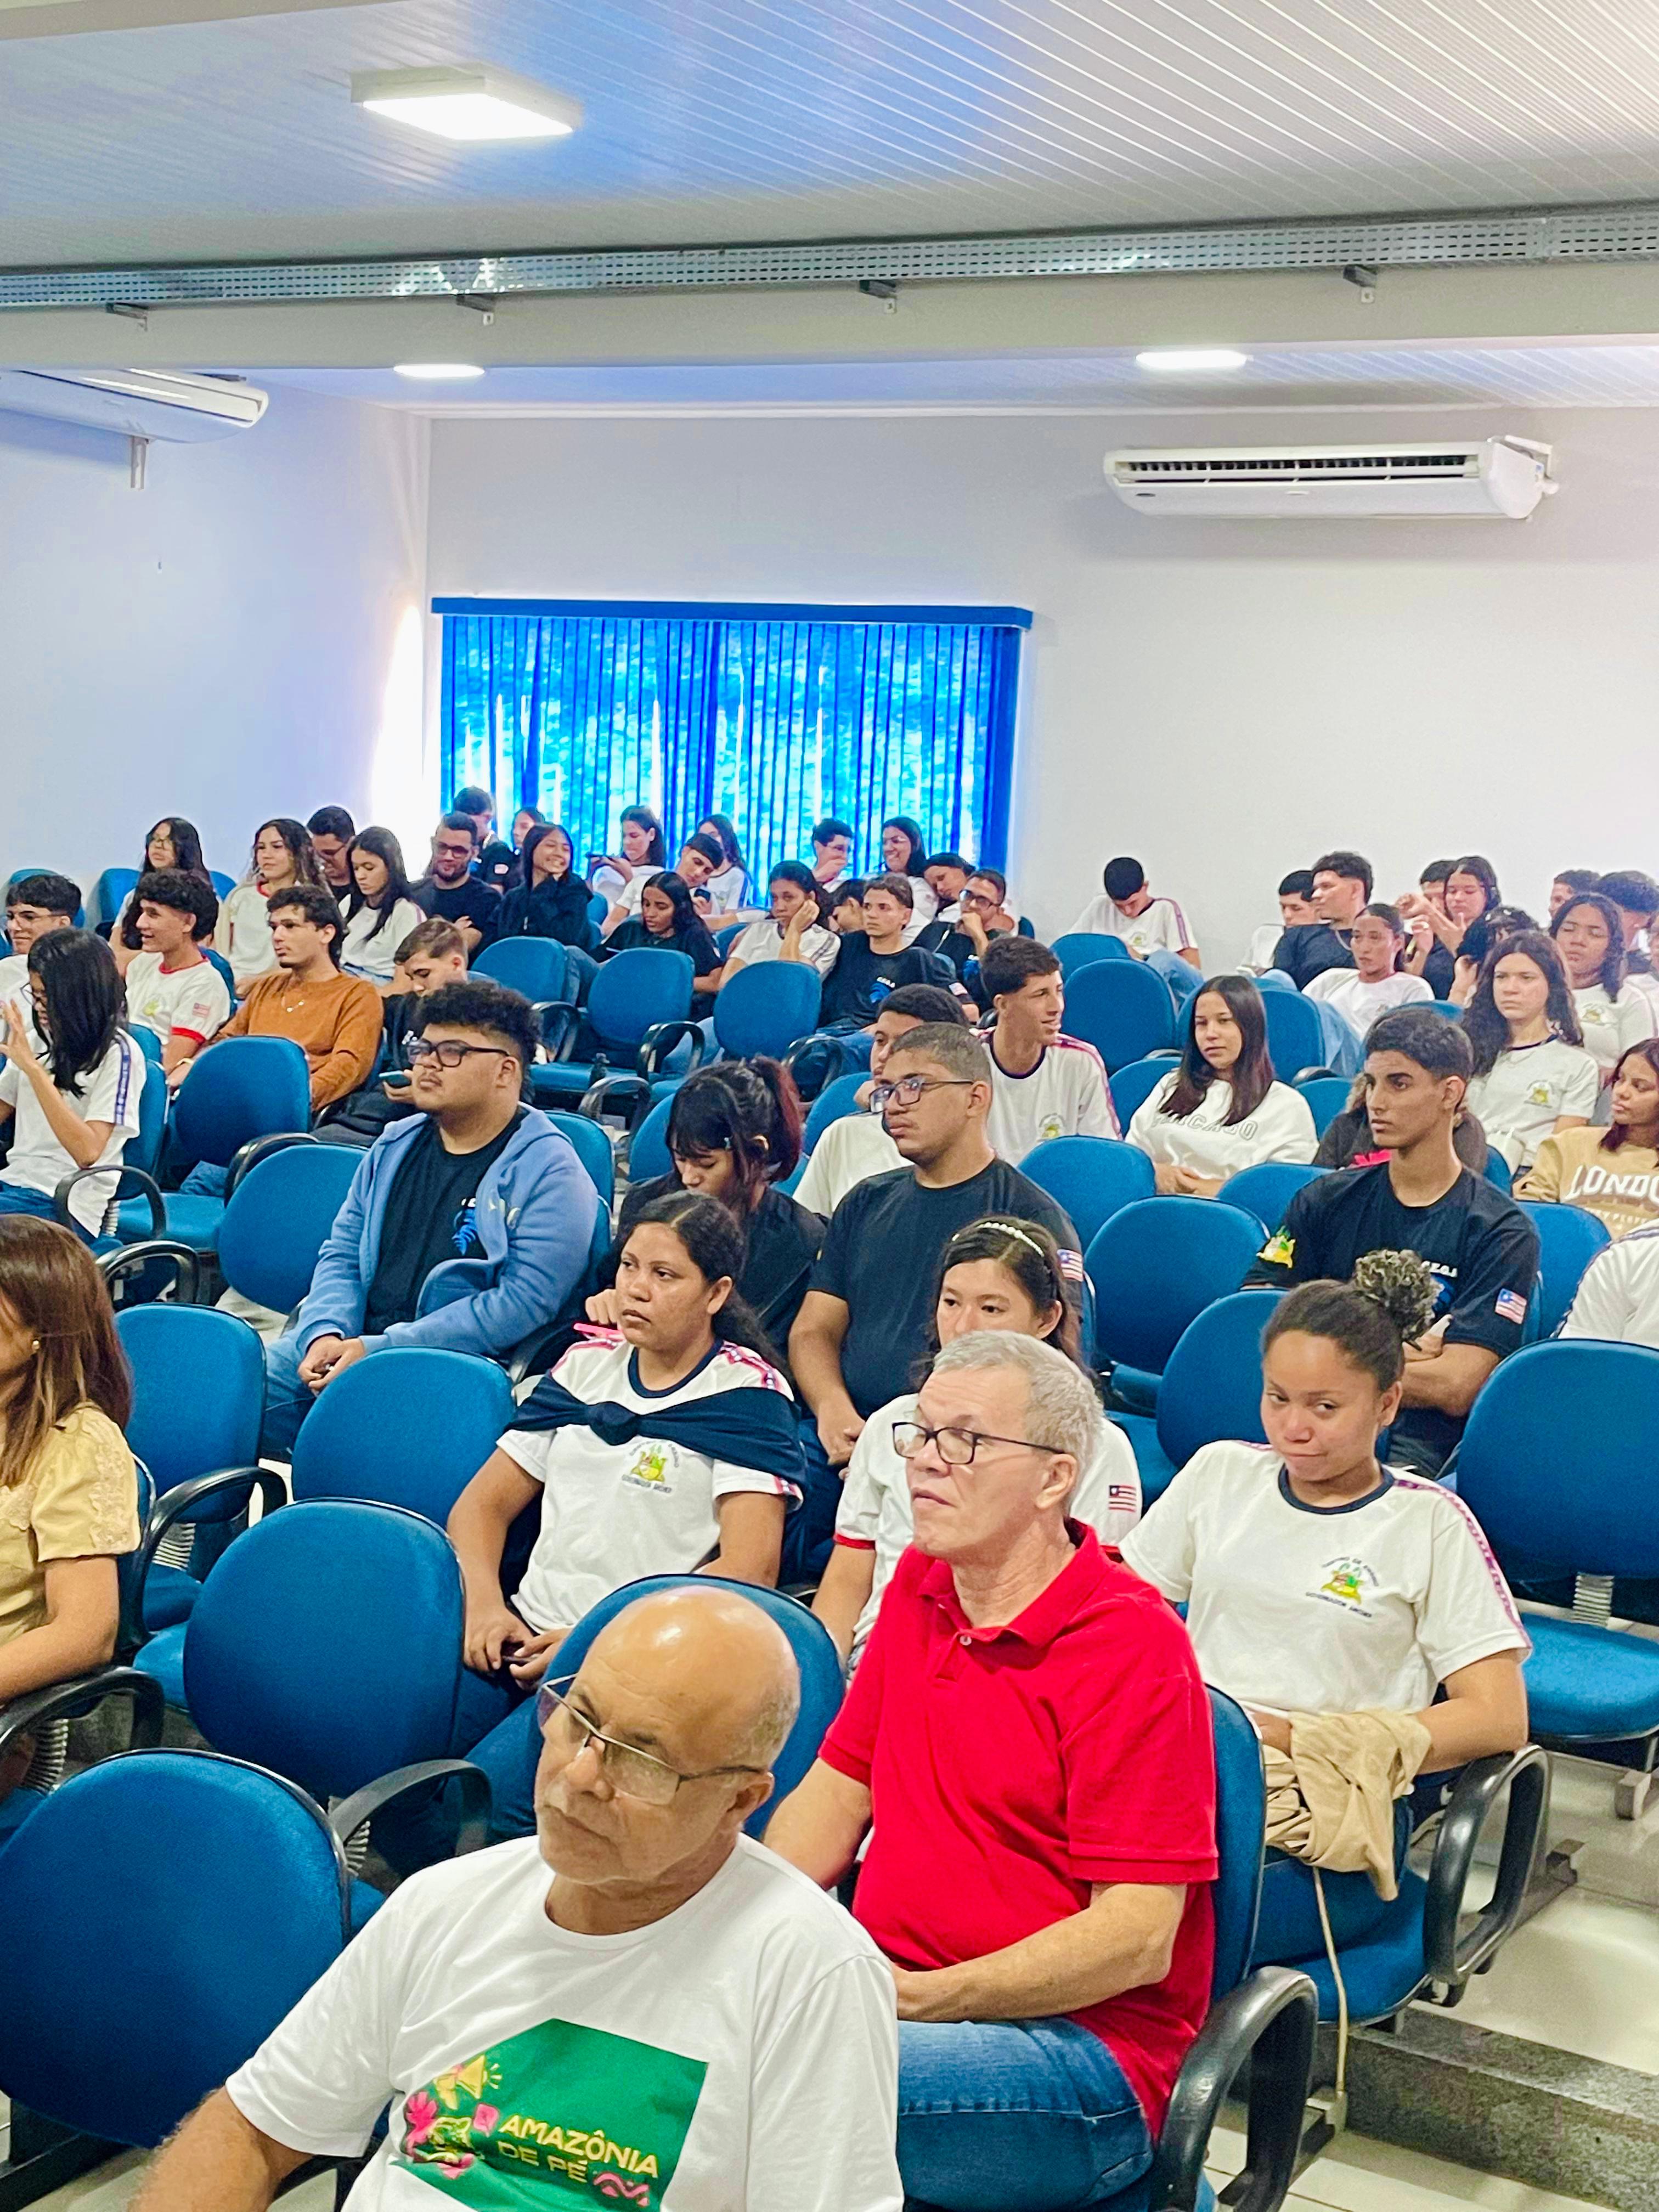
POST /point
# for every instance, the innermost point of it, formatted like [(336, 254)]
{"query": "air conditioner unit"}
[(1497, 478), (136, 403)]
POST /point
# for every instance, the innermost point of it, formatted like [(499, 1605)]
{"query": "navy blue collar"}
[(1330, 1512)]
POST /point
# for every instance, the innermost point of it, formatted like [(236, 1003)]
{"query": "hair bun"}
[(1401, 1285)]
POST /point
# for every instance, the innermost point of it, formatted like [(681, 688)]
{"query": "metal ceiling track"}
[(1580, 234)]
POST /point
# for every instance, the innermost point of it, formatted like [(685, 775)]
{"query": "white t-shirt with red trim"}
[(188, 1002), (1065, 1095)]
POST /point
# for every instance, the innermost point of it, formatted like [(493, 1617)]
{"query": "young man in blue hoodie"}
[(476, 1204)]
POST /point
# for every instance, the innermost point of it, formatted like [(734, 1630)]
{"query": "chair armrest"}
[(663, 1037), (813, 1061), (142, 1186), (261, 1148), (356, 1811), (1527, 1773), (181, 1503), (68, 1701), (634, 1088), (133, 1259), (559, 1019), (1269, 2019)]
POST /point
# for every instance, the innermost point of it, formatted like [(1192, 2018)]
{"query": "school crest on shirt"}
[(1347, 1582), (1540, 1094), (648, 1469), (1050, 1126), (1280, 1249)]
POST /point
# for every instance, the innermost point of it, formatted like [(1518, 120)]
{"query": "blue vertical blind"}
[(774, 715)]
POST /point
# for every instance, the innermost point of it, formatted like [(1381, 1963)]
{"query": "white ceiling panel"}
[(718, 120)]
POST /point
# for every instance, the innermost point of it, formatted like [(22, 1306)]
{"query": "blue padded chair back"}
[(326, 1644), (1132, 1086), (821, 1683), (1155, 1266), (727, 935), (1498, 1171), (278, 1220), (1090, 1177), (410, 1426), (1240, 1826), (1295, 1038), (634, 991), (218, 1425), (1568, 1240), (139, 1904), (1077, 948), (1211, 1389), (1268, 1189), (1452, 1012), (145, 1149), (245, 1087), (1556, 1491), (112, 891), (1121, 1008), (765, 1007), (148, 1043), (649, 1156), (1327, 1095), (536, 966), (226, 972), (592, 1150), (222, 884), (833, 1103)]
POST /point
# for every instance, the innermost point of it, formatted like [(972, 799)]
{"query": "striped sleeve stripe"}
[(1449, 1497), (854, 1543)]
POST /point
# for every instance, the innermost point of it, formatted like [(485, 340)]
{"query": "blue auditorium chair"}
[(1267, 1189), (649, 1156), (1133, 1085), (233, 1095), (408, 1426), (592, 1150), (1497, 1170), (137, 1195), (1296, 1036), (638, 1010), (833, 1104), (1090, 1178), (1155, 1266), (278, 1219), (222, 884), (110, 894), (536, 966), (767, 1008), (1121, 1008), (1569, 1238), (1210, 1392), (1326, 1096), (1446, 1006), (1078, 948)]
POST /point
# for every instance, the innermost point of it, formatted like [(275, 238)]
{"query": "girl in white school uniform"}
[(1377, 983), (1221, 1107), (1613, 1014), (1533, 1078)]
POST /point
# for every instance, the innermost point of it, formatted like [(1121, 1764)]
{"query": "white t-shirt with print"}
[(728, 890), (763, 941), (851, 1149), (628, 898), (613, 1512), (109, 1092), (1281, 1128), (1065, 1095), (1359, 1003), (740, 2055), (189, 1002), (372, 953), (874, 1513), (1611, 1026), (1529, 1088), (1359, 1607), (1161, 926)]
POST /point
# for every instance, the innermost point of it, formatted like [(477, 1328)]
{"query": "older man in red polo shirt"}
[(1030, 1738)]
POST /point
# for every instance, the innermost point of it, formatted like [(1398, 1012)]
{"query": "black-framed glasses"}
[(446, 1052), (630, 1772), (955, 1446), (909, 1088)]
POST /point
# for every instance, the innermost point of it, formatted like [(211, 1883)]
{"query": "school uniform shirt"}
[(1263, 944), (738, 2054), (763, 941), (1161, 926), (467, 900), (1529, 1087), (1359, 1003), (881, 1255), (109, 1091), (874, 1513), (728, 890), (1281, 1128), (370, 952), (1618, 1300), (628, 898), (1065, 1095), (429, 1219), (243, 934), (191, 1002), (862, 978), (1620, 1188), (1360, 1608), (1611, 1026), (850, 1150), (1479, 1246), (612, 1512)]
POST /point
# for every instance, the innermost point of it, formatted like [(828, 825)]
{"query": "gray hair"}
[(954, 1047), (1062, 1412)]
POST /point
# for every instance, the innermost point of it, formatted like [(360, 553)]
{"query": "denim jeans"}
[(288, 1400), (496, 1729), (206, 1181), (15, 1198), (1014, 2115)]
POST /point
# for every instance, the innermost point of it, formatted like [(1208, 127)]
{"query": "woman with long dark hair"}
[(668, 922), (1222, 1107), (549, 899), (380, 910), (283, 855), (1533, 1078), (1378, 982), (173, 843), (903, 853), (1471, 892), (76, 1105), (995, 1274), (1614, 1015), (729, 889), (1612, 1173)]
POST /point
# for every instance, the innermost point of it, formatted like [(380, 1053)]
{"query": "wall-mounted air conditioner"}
[(1499, 478), (135, 402)]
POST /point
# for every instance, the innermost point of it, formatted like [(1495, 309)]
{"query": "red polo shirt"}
[(1010, 1768)]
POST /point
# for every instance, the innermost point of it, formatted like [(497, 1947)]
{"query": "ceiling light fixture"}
[(1190, 360), (471, 103), (437, 372)]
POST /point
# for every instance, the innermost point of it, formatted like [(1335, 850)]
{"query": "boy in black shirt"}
[(875, 960), (450, 891), (1341, 888), (1480, 1247)]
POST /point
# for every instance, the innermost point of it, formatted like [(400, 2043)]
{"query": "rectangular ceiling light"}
[(471, 103)]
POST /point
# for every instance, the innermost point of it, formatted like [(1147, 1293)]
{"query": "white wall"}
[(244, 637), (1224, 700)]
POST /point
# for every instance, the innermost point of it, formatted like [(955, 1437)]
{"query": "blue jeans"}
[(288, 1400), (14, 1199), (1014, 2115), (496, 1729), (206, 1181), (1288, 1929)]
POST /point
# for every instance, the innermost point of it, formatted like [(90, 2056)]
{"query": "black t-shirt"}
[(1440, 970), (881, 1257), (429, 1219), (1309, 950), (862, 978), (467, 900), (497, 864), (696, 943), (1480, 1247), (950, 943), (783, 1239)]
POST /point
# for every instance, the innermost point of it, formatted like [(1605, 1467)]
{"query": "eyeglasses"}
[(956, 1446), (909, 1088), (631, 1772), (446, 1053)]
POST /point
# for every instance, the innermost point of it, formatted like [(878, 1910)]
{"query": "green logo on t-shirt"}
[(593, 2115)]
